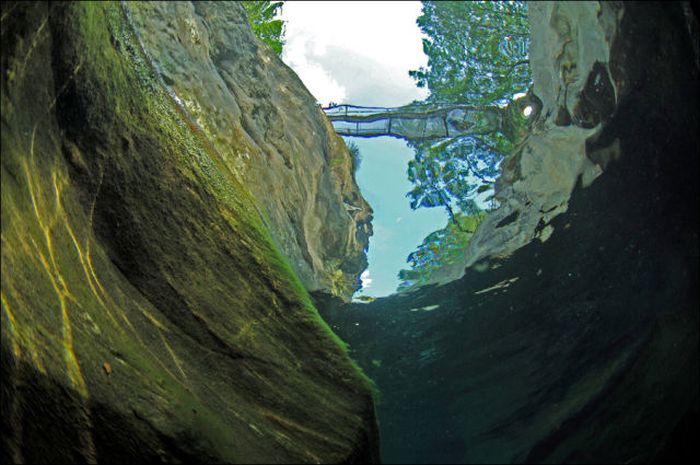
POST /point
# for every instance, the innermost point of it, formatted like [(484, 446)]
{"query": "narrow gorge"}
[(182, 236)]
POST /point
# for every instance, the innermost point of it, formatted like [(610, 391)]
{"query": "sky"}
[(360, 53)]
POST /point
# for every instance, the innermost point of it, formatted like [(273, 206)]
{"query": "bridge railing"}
[(354, 110), (413, 121)]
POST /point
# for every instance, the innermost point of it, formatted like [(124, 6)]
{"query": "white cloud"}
[(299, 56), (343, 50), (366, 280)]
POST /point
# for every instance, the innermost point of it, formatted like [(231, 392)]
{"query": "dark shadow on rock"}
[(44, 421)]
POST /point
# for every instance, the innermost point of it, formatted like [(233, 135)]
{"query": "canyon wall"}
[(148, 310), (270, 132)]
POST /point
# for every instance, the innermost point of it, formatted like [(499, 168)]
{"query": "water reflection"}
[(397, 229)]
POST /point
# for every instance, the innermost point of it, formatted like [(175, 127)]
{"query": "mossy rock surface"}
[(146, 312), (269, 131)]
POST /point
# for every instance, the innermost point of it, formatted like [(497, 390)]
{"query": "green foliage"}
[(452, 174), (477, 51), (439, 249), (477, 55), (356, 155), (261, 14)]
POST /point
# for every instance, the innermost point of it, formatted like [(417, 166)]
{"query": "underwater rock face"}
[(569, 56), (147, 314), (270, 132), (582, 348)]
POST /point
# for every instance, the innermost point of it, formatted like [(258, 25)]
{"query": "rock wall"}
[(147, 314), (270, 132), (582, 348)]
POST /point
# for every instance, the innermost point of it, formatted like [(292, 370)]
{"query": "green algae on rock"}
[(147, 313), (269, 131)]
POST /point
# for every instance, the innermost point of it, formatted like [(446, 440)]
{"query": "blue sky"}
[(397, 228), (347, 52)]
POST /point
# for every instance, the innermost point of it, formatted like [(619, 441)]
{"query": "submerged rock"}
[(570, 56), (581, 348), (147, 314)]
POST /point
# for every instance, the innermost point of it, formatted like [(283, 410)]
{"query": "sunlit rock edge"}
[(270, 132)]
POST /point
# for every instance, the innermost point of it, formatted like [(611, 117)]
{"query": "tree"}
[(477, 51), (439, 249), (451, 174), (477, 55), (355, 154), (261, 14)]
